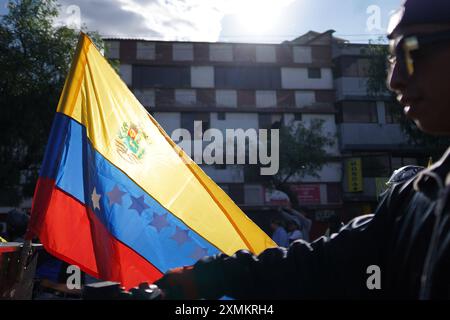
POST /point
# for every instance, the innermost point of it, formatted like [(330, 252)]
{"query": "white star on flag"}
[(95, 199)]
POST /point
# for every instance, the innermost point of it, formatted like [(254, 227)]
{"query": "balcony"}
[(371, 136)]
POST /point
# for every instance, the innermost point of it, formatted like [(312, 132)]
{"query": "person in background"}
[(279, 236), (294, 232), (304, 222)]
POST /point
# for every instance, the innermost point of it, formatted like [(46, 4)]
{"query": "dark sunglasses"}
[(407, 48)]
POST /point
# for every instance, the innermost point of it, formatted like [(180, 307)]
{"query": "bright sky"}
[(271, 21)]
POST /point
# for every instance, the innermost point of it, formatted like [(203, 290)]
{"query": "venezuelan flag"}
[(116, 196)]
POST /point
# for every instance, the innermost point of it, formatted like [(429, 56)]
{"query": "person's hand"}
[(179, 284)]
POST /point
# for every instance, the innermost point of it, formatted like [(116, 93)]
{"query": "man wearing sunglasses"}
[(400, 252), (420, 63)]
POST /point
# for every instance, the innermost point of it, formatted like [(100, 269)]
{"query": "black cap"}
[(417, 12)]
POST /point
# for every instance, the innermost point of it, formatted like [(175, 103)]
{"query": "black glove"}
[(178, 284)]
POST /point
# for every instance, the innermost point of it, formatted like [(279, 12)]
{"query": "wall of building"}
[(350, 87), (330, 172), (368, 130), (234, 86), (235, 121), (297, 78), (371, 135), (169, 121)]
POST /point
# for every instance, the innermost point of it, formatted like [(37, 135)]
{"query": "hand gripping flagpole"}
[(23, 265)]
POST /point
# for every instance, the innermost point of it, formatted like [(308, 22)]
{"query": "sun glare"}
[(259, 16)]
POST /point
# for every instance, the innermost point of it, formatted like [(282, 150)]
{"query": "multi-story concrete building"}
[(240, 85), (372, 142)]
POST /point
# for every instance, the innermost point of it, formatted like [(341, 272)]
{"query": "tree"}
[(35, 57), (302, 153), (376, 85)]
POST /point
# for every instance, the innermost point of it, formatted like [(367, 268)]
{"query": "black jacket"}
[(408, 238)]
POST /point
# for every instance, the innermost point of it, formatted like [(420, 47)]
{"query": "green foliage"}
[(35, 58), (376, 83), (302, 152)]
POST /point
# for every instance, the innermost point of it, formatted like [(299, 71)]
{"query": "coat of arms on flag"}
[(131, 141)]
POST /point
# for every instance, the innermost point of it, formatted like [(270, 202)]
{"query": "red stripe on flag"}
[(73, 233)]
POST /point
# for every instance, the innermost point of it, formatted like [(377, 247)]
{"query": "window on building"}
[(266, 98), (248, 77), (286, 98), (221, 116), (302, 54), (145, 51), (202, 77), (298, 117), (154, 76), (126, 73), (410, 161), (112, 49), (325, 96), (264, 120), (321, 54), (399, 162), (265, 53), (189, 121), (146, 97), (363, 67), (201, 52), (206, 97), (163, 51), (314, 73), (277, 120), (284, 53), (393, 112), (253, 194), (226, 98), (376, 166), (185, 97), (348, 66), (127, 51), (246, 98), (359, 112), (165, 97), (245, 53), (220, 52), (304, 98), (183, 52), (270, 121)]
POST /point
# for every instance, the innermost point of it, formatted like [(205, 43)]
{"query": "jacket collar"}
[(433, 180)]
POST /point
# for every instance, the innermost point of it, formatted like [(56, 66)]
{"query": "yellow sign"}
[(354, 175)]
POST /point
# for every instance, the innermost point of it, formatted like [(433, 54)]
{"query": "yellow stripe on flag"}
[(101, 101)]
